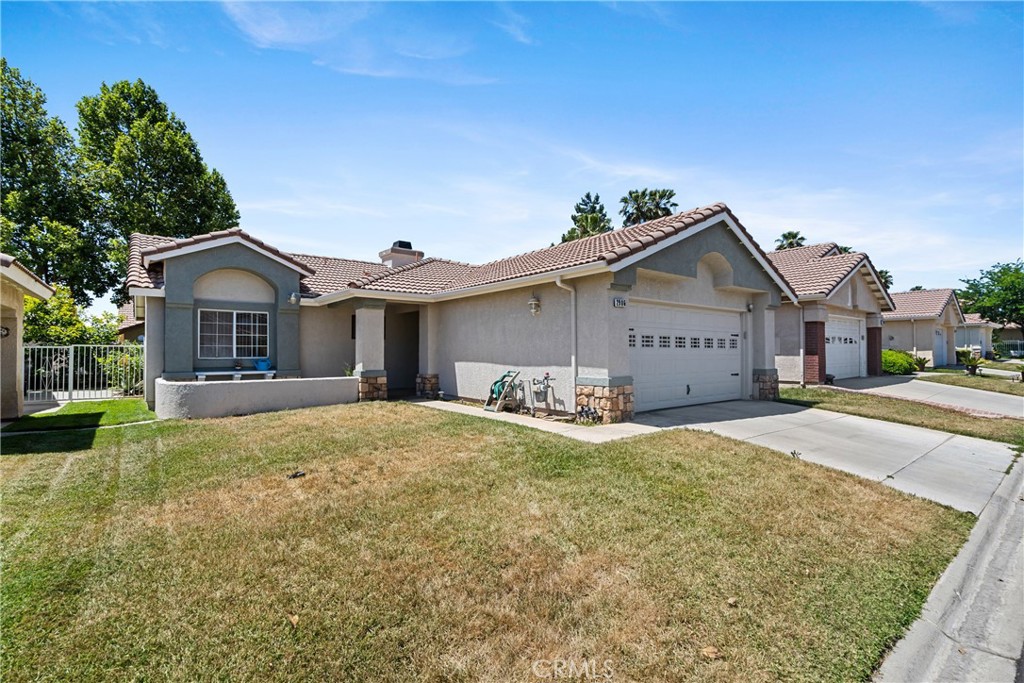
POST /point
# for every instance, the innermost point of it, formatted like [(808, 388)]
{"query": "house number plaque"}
[(619, 302)]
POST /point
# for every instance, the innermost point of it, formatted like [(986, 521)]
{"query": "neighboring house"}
[(16, 282), (837, 327), (1009, 332), (924, 323), (676, 311), (976, 333), (130, 329)]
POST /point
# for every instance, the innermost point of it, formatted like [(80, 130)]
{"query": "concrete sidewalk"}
[(962, 398), (972, 627)]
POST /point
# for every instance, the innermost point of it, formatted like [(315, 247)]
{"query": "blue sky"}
[(472, 129)]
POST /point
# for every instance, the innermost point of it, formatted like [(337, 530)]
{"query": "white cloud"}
[(514, 24), (270, 24)]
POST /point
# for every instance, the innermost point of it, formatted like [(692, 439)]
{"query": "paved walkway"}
[(972, 627), (933, 392)]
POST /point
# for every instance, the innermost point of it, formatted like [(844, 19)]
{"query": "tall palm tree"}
[(639, 206), (790, 240), (886, 277)]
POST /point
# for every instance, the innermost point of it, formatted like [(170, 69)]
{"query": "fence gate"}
[(83, 372)]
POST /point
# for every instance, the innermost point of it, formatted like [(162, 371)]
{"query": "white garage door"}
[(681, 357), (844, 348)]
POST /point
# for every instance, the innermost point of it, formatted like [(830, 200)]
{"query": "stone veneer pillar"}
[(373, 387), (613, 404), (427, 384), (766, 384), (814, 352)]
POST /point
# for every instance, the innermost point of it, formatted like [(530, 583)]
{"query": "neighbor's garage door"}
[(844, 348), (681, 357)]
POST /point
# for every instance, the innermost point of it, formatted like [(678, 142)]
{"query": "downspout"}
[(572, 324), (913, 335)]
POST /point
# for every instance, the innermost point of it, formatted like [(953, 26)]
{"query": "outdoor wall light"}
[(294, 298), (534, 304), (750, 308)]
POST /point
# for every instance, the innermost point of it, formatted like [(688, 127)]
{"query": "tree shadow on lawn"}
[(51, 434)]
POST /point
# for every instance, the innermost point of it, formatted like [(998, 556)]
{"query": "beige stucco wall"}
[(229, 284), (787, 343), (326, 347), (12, 306)]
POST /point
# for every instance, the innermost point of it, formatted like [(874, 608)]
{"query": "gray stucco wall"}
[(682, 259), (221, 399), (180, 316), (481, 337), (326, 346)]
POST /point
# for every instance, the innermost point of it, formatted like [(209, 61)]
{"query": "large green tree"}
[(59, 321), (640, 206), (148, 175), (791, 239), (997, 294), (589, 218), (45, 212)]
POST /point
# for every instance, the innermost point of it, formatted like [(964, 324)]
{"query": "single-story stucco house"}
[(976, 334), (924, 323), (129, 329), (672, 312), (16, 282), (834, 326)]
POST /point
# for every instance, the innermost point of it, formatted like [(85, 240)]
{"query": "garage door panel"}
[(844, 347), (682, 357)]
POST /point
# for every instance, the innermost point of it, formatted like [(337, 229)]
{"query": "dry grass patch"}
[(1000, 385), (432, 546), (1006, 430)]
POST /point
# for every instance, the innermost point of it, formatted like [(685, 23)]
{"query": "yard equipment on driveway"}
[(503, 394)]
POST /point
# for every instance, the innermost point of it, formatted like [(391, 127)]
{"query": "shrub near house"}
[(896, 362)]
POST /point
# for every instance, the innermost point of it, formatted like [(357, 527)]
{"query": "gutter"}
[(572, 324)]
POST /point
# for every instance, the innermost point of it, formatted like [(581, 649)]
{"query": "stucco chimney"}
[(399, 254)]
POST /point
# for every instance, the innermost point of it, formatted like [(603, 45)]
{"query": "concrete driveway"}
[(958, 471), (932, 392)]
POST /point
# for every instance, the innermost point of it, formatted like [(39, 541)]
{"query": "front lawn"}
[(1001, 385), (84, 414), (427, 545), (902, 411)]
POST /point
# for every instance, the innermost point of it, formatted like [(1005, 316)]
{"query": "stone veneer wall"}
[(766, 384), (373, 388), (427, 385), (615, 404)]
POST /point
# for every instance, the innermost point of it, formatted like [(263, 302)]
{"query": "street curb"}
[(971, 627)]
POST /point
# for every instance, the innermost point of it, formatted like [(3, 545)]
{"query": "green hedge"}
[(895, 362)]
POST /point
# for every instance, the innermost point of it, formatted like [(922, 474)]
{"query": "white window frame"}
[(234, 332)]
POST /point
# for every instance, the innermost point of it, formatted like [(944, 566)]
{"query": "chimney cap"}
[(402, 244)]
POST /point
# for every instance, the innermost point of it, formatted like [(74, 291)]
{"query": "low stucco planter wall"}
[(220, 399)]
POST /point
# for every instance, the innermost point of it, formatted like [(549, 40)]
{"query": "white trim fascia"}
[(540, 278), (27, 282), (707, 223), (220, 242), (146, 291)]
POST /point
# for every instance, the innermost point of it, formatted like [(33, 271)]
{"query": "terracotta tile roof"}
[(811, 275), (801, 255), (976, 319), (331, 274), (434, 275), (138, 274), (817, 269), (425, 276), (924, 303), (173, 244)]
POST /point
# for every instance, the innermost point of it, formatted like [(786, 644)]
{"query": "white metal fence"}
[(82, 372), (1013, 348)]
